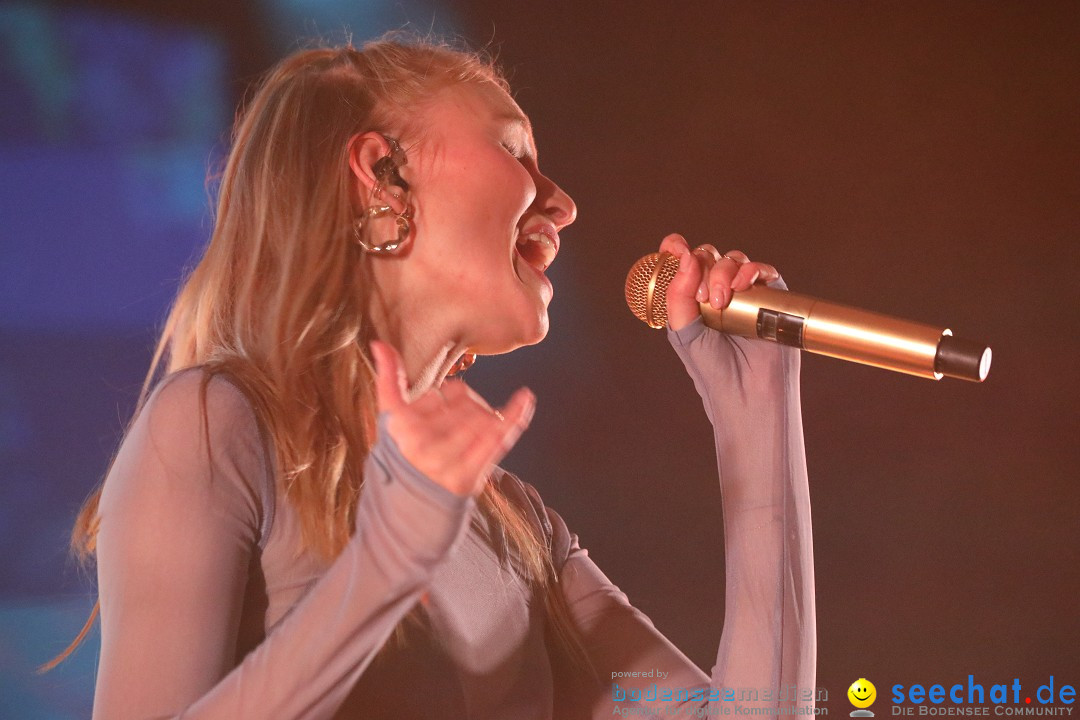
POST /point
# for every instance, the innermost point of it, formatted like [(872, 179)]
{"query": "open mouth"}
[(538, 247)]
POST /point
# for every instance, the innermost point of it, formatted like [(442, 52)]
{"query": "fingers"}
[(717, 286), (467, 438), (747, 272), (735, 272), (503, 426), (390, 381), (449, 432), (675, 244), (517, 414), (509, 423), (682, 306), (707, 275)]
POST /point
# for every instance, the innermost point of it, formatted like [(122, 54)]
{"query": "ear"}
[(366, 149)]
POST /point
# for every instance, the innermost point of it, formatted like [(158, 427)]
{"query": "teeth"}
[(541, 248), (536, 238)]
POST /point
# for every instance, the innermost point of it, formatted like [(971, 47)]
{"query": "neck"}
[(426, 351), (426, 364)]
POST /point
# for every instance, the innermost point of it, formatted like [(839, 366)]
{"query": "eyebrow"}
[(514, 116)]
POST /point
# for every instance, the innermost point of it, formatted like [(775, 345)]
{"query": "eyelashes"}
[(513, 149)]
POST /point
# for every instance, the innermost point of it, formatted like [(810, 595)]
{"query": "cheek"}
[(504, 182), (527, 183), (475, 202)]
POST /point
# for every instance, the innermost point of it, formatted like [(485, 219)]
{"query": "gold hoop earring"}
[(387, 172), (389, 247)]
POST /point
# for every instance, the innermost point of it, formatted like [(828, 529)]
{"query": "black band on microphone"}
[(780, 327), (962, 359)]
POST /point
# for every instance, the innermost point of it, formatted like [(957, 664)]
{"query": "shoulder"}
[(526, 499), (196, 440), (181, 397), (546, 522), (197, 413)]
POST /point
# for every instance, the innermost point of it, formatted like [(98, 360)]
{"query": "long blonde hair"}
[(279, 300)]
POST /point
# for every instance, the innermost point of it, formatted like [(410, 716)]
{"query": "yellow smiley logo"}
[(862, 693)]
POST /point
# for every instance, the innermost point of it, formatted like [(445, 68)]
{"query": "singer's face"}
[(486, 222)]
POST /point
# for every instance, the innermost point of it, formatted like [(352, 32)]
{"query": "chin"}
[(541, 332), (512, 341)]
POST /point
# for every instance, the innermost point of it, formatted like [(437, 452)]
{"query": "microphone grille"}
[(646, 287)]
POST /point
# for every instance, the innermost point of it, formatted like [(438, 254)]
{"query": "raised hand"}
[(449, 433), (750, 389), (706, 275)]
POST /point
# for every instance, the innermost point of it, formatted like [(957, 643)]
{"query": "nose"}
[(556, 203)]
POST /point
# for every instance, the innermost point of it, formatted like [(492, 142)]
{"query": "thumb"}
[(682, 305), (390, 381)]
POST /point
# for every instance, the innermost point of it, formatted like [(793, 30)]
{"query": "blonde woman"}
[(306, 518)]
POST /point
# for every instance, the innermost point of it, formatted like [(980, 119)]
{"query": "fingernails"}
[(530, 408), (702, 293), (685, 262), (720, 296)]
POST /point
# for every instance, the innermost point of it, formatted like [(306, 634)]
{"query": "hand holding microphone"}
[(658, 295), (710, 278)]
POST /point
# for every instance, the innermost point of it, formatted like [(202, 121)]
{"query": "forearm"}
[(751, 393), (307, 667), (310, 661)]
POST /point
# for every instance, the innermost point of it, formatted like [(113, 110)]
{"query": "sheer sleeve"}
[(181, 519), (767, 651)]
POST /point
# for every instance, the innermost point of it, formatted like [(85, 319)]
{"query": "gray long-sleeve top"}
[(211, 608)]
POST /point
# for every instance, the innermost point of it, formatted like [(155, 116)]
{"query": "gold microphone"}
[(815, 325)]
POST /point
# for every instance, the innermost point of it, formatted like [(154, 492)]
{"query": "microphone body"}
[(817, 326)]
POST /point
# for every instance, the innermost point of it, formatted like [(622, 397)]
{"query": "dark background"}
[(916, 158)]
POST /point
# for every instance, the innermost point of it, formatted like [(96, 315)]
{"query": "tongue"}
[(533, 253)]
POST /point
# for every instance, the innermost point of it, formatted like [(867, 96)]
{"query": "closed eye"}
[(514, 149)]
